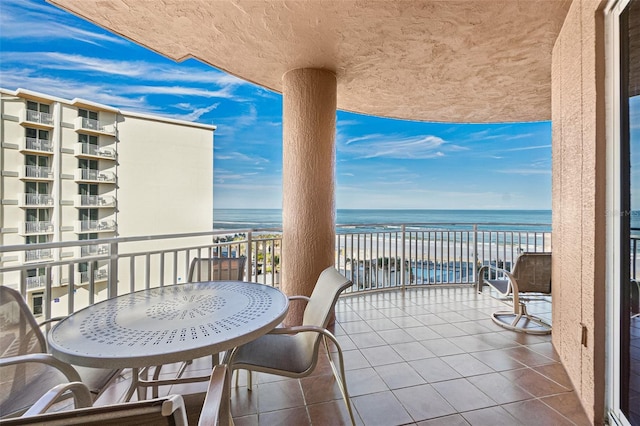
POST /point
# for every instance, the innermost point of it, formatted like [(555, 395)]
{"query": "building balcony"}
[(95, 176), (35, 145), (37, 228), (36, 173), (99, 201), (36, 200), (38, 255), (103, 225), (99, 275), (88, 150), (37, 119), (418, 340), (94, 250), (37, 282), (96, 127)]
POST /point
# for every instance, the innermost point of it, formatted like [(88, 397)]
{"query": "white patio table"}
[(167, 324)]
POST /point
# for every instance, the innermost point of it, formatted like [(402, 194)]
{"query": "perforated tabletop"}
[(167, 324)]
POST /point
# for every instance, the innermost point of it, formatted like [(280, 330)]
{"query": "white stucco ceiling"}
[(432, 60)]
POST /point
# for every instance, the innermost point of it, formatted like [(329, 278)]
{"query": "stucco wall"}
[(579, 202)]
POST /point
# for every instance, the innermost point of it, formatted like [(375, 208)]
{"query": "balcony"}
[(37, 119), (38, 255), (37, 228), (36, 173), (102, 225), (36, 200), (419, 342), (93, 151), (35, 145), (37, 282), (94, 250), (99, 275), (99, 201), (88, 125), (94, 176)]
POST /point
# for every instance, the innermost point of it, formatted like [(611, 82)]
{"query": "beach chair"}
[(531, 274)]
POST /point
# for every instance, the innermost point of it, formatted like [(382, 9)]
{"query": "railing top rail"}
[(400, 224), (75, 243)]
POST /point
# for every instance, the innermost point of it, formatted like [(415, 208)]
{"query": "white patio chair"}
[(168, 410), (293, 351), (25, 366)]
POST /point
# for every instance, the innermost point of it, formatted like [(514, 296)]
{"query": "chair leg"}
[(340, 376)]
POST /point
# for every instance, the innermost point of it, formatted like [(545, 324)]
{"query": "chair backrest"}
[(216, 269), (169, 410), (19, 331), (324, 297), (532, 271)]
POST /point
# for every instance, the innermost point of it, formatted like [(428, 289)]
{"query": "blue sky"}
[(381, 163)]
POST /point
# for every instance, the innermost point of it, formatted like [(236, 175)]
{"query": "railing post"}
[(249, 263), (403, 274), (475, 252), (113, 270)]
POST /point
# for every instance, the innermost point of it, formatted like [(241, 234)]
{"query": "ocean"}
[(522, 220)]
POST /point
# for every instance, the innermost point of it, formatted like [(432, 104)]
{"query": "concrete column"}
[(308, 175)]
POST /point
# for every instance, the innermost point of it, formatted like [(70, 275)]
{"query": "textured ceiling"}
[(432, 60)]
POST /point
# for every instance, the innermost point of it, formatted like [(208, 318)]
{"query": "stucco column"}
[(308, 164)]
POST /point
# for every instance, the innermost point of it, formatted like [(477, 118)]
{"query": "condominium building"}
[(79, 170)]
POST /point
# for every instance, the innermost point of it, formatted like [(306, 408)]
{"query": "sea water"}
[(522, 220)]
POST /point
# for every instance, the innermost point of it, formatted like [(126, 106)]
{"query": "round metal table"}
[(167, 324)]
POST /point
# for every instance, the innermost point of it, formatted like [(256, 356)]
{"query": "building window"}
[(85, 113), (37, 134), (87, 164), (37, 299), (36, 106)]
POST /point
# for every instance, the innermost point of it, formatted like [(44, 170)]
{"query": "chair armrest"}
[(55, 319), (81, 396), (70, 373), (217, 398), (299, 297)]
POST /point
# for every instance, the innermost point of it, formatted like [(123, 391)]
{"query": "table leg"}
[(134, 384)]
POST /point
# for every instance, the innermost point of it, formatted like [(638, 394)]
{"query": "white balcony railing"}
[(95, 201), (374, 256), (95, 151), (98, 275), (36, 200), (37, 145), (95, 226), (94, 250), (37, 227), (95, 126), (38, 255), (37, 173), (39, 117), (36, 282), (100, 176)]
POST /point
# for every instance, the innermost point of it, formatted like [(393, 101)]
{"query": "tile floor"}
[(426, 356)]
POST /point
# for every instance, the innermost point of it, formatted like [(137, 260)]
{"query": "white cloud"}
[(238, 156), (388, 146), (26, 20), (140, 70)]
